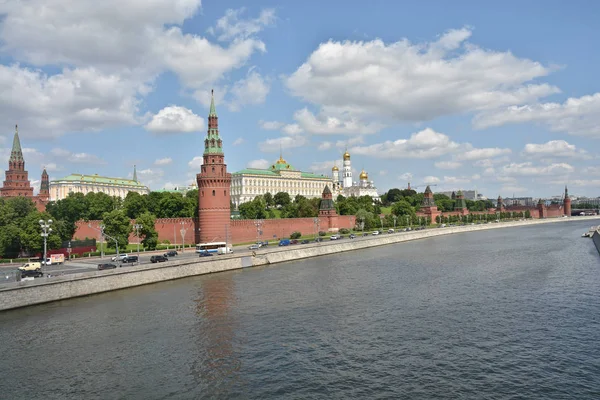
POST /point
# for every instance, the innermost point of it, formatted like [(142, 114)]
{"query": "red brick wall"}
[(240, 230)]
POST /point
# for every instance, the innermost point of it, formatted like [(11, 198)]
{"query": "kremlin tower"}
[(44, 194), (213, 186), (567, 203), (16, 181)]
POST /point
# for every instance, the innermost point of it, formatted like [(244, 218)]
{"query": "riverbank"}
[(21, 294)]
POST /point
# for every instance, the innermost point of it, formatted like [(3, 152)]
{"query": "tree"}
[(269, 199), (191, 203), (171, 205), (135, 204), (30, 234), (255, 209), (147, 232), (118, 226), (98, 204), (69, 210), (393, 195), (282, 199), (527, 214), (403, 208)]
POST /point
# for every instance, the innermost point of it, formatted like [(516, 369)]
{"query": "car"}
[(284, 242), (106, 266), (305, 241), (157, 259), (375, 233), (119, 257), (319, 239), (294, 241), (170, 253), (254, 247), (130, 259), (263, 244), (352, 236), (334, 237), (204, 254), (390, 231)]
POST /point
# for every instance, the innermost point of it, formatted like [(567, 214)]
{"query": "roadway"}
[(83, 265)]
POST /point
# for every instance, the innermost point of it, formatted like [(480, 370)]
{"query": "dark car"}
[(305, 241), (155, 259), (352, 236), (106, 266), (171, 253), (365, 234), (130, 259), (294, 241), (27, 273), (204, 254), (264, 244), (319, 239)]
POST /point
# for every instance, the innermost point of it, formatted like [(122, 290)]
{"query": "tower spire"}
[(213, 111), (134, 173), (16, 154)]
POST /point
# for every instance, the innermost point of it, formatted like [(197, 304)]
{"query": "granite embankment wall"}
[(26, 293)]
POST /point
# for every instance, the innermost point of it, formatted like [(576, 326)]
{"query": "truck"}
[(57, 258), (224, 250)]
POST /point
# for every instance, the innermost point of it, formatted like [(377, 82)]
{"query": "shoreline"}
[(27, 293)]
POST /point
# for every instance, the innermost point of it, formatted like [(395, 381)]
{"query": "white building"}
[(77, 183), (346, 187), (280, 177)]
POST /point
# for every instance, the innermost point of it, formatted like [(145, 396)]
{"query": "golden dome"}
[(346, 155), (335, 168), (281, 160), (363, 176)]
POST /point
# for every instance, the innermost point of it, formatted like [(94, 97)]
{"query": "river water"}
[(500, 314)]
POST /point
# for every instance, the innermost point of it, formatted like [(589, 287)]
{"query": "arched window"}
[(225, 193), (214, 193), (213, 169)]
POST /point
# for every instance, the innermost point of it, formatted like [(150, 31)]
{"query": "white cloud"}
[(431, 179), (576, 116), (238, 141), (163, 161), (52, 167), (251, 90), (76, 158), (329, 124), (528, 169), (112, 61), (230, 26), (415, 82), (292, 129), (447, 164), (424, 144), (407, 177), (270, 125), (260, 164), (477, 154), (324, 146), (284, 142), (512, 189), (323, 167), (554, 148), (150, 177), (196, 163), (490, 162), (175, 119)]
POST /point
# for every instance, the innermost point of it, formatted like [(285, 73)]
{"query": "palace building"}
[(346, 187), (280, 177), (77, 183)]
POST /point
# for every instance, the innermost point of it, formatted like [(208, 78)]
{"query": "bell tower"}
[(214, 184)]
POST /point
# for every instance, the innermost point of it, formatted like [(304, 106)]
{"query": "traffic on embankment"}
[(54, 288)]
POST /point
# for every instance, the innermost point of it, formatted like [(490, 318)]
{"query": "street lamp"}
[(45, 225), (137, 228), (395, 218), (316, 221), (182, 231), (101, 230), (258, 223)]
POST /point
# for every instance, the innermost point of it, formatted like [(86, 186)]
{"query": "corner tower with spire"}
[(567, 203), (16, 181), (213, 186)]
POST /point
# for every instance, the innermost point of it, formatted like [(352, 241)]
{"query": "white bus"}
[(214, 247)]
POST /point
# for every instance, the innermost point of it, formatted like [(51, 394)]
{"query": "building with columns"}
[(214, 186), (346, 186), (279, 177), (78, 183)]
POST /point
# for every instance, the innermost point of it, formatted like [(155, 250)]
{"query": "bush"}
[(295, 235), (322, 233), (344, 231), (165, 242)]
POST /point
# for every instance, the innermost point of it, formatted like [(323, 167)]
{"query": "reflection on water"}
[(507, 313)]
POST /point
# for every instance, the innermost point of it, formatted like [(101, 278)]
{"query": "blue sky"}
[(502, 97)]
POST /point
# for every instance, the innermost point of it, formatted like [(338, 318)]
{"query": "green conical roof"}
[(16, 154), (213, 143)]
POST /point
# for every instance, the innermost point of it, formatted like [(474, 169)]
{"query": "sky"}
[(502, 97)]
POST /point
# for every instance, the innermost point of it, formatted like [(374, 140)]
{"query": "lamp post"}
[(258, 223), (101, 230), (69, 250), (137, 228), (101, 240), (317, 222), (45, 225), (395, 218), (182, 231)]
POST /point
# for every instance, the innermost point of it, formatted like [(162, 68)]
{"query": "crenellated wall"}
[(240, 230)]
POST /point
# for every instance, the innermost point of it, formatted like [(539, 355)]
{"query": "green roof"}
[(16, 154), (99, 179), (313, 176), (269, 172)]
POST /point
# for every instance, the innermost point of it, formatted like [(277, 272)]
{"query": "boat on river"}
[(591, 231)]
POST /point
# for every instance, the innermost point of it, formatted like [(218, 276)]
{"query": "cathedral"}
[(346, 187)]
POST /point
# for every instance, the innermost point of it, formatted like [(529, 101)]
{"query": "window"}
[(213, 169), (214, 193), (224, 192), (202, 193)]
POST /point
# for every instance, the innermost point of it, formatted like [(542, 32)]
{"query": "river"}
[(498, 314)]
